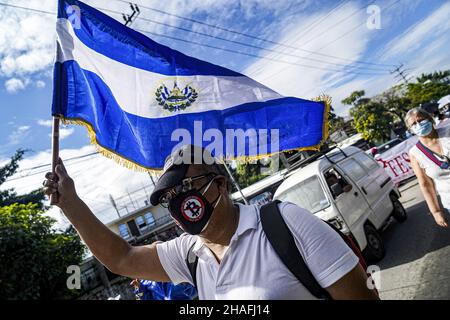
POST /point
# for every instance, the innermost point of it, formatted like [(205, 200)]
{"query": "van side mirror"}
[(336, 189)]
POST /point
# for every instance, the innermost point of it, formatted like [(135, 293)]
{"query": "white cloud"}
[(65, 132), (27, 39), (27, 44), (45, 123), (40, 84), (304, 82), (96, 177), (15, 85), (18, 135), (434, 27), (426, 42)]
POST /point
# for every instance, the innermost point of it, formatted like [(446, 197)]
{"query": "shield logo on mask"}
[(192, 208)]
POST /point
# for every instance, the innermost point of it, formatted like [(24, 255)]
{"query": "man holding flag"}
[(235, 259), (133, 94)]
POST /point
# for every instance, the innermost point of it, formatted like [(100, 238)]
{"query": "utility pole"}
[(130, 18), (400, 73), (131, 200), (151, 178), (234, 181), (114, 205)]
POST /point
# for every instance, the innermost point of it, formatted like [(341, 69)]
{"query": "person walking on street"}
[(430, 160)]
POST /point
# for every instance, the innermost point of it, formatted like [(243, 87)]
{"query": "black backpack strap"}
[(191, 262), (282, 241)]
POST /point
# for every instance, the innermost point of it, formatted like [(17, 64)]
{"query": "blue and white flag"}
[(133, 93)]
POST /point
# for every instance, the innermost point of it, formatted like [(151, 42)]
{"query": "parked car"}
[(348, 188), (388, 145)]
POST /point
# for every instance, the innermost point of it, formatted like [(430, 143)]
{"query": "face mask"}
[(423, 128), (192, 210)]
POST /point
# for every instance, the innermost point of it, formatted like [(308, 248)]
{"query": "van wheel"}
[(399, 213), (374, 250)]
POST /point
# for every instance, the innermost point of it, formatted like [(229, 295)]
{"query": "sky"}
[(298, 48)]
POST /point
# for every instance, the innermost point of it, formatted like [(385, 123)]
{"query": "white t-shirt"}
[(441, 177), (250, 268)]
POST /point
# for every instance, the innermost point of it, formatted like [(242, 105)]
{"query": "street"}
[(417, 262)]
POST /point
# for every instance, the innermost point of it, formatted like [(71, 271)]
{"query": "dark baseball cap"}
[(175, 167)]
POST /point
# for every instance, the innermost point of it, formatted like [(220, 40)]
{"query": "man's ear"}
[(222, 183)]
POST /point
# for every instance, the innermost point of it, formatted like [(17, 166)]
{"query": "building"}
[(145, 225), (139, 227)]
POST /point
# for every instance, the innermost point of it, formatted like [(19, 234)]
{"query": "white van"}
[(348, 188)]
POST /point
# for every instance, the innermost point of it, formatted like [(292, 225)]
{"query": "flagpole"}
[(55, 154)]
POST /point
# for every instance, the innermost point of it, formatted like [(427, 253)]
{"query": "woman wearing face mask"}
[(430, 162)]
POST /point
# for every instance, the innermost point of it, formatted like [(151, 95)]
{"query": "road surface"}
[(417, 262)]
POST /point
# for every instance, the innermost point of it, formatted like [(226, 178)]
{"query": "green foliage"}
[(370, 117), (247, 173), (8, 197), (438, 76), (394, 102), (374, 117), (355, 98), (423, 92), (335, 122), (9, 169), (33, 257)]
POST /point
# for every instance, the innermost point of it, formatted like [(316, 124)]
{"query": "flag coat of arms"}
[(132, 93)]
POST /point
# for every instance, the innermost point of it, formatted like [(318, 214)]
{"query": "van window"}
[(333, 177), (307, 194), (367, 161), (353, 169)]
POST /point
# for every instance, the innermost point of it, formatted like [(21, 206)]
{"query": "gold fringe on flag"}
[(129, 164), (121, 160)]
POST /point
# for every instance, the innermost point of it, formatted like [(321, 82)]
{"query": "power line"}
[(307, 29), (312, 25), (130, 18), (339, 22), (237, 42), (245, 44), (223, 49), (252, 55), (25, 8), (252, 36), (400, 73), (340, 37), (231, 41), (46, 165), (66, 160)]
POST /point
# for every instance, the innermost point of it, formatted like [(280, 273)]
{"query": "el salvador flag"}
[(132, 93)]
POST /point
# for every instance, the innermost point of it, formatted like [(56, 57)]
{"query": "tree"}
[(356, 98), (248, 173), (372, 120), (428, 88), (33, 257), (395, 102), (370, 117), (335, 122), (8, 197), (437, 76), (375, 117)]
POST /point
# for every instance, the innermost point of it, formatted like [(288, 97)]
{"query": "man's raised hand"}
[(61, 184)]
